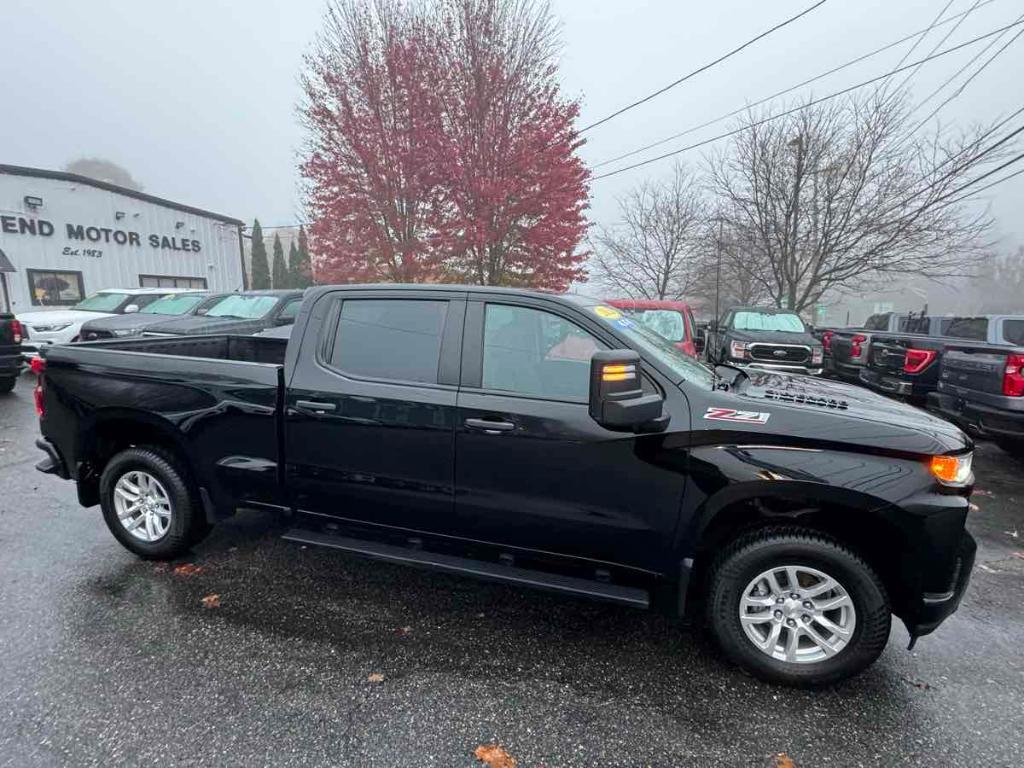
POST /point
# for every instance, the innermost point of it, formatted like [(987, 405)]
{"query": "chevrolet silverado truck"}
[(10, 352), (539, 440)]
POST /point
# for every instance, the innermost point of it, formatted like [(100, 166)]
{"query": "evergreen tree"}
[(294, 275), (260, 277), (304, 273), (280, 269)]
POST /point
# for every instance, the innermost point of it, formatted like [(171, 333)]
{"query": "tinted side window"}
[(533, 352), (396, 339), (877, 322), (975, 328), (1013, 331)]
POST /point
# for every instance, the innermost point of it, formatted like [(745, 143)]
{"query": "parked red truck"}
[(672, 320)]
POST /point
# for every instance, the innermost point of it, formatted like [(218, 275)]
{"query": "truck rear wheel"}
[(797, 607), (148, 505), (7, 384)]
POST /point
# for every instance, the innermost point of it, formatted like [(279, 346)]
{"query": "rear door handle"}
[(490, 427), (313, 405)]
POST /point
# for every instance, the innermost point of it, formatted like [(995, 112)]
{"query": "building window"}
[(170, 281), (55, 289)]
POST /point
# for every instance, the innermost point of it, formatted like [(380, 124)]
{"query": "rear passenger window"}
[(290, 311), (975, 328), (1013, 332), (396, 339), (533, 352)]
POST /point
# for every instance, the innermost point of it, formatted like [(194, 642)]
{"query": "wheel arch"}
[(877, 530)]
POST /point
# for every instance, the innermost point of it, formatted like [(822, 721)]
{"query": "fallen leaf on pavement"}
[(376, 677), (972, 507), (1019, 554), (919, 684), (188, 569), (782, 760), (494, 756), (1014, 534), (211, 601), (979, 492), (403, 631)]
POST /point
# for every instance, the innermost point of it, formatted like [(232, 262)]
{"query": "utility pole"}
[(718, 270)]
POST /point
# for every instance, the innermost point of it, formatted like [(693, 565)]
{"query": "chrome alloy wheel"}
[(797, 614), (142, 505)]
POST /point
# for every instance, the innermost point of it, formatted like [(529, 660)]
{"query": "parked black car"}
[(767, 338), (172, 305), (540, 440), (244, 313), (10, 352)]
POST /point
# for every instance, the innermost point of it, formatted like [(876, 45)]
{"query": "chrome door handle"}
[(490, 427), (313, 405)]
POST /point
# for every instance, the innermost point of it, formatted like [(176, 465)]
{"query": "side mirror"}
[(699, 343), (617, 399), (202, 311), (131, 309)]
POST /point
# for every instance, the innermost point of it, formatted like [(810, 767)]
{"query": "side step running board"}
[(632, 596)]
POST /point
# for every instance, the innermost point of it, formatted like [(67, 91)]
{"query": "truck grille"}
[(780, 353)]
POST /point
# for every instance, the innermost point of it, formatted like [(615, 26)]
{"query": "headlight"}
[(952, 470), (738, 349), (127, 332), (51, 328)]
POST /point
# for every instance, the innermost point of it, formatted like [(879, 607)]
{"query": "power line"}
[(942, 42), (704, 68), (933, 25), (804, 106), (967, 82), (983, 176), (919, 34), (987, 186)]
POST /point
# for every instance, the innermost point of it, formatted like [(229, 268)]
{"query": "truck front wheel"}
[(147, 504), (797, 607)]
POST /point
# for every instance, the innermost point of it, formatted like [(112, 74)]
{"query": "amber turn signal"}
[(954, 470), (618, 372)]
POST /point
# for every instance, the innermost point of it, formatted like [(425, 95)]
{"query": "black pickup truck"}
[(10, 352), (849, 349), (541, 440)]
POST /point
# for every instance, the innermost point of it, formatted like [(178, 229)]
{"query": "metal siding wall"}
[(120, 265)]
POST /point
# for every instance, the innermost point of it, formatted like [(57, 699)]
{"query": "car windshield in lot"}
[(172, 305), (242, 307), (768, 321), (667, 323), (102, 302), (649, 342)]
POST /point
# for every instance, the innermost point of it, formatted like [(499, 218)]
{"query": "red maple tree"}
[(441, 149)]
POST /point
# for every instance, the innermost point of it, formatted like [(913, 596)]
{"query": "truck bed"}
[(242, 349)]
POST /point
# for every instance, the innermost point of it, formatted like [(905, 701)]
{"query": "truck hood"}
[(132, 322), (813, 410), (195, 325), (54, 316), (775, 337)]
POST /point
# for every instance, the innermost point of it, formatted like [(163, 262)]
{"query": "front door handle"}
[(490, 427), (313, 405)]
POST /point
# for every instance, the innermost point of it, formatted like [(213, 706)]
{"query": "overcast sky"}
[(197, 98)]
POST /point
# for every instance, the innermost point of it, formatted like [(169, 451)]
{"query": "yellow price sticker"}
[(608, 313)]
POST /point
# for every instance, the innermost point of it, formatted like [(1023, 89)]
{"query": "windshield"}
[(242, 307), (768, 321), (172, 305), (649, 342), (667, 323), (102, 302)]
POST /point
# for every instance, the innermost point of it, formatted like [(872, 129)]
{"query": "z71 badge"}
[(731, 414)]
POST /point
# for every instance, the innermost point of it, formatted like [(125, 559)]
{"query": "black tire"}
[(188, 523), (7, 385), (750, 555)]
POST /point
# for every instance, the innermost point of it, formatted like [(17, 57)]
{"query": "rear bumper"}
[(53, 464), (934, 608), (11, 365), (893, 385), (983, 420), (845, 371)]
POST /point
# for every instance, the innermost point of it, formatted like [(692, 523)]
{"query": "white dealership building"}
[(65, 236)]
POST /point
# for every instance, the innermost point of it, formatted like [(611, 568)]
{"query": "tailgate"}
[(980, 369), (8, 346), (841, 345), (887, 354)]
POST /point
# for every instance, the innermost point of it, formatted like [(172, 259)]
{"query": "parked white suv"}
[(60, 326)]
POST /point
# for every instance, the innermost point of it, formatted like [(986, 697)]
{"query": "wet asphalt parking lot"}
[(109, 660)]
